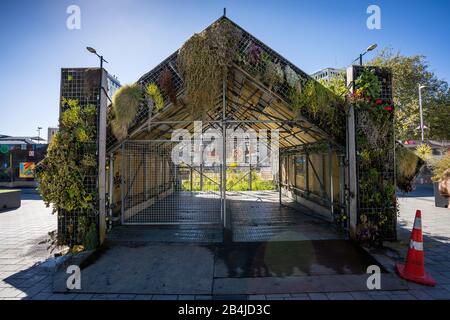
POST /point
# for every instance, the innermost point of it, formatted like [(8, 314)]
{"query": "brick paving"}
[(24, 275)]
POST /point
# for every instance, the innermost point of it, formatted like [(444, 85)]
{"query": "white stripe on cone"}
[(418, 224), (418, 246)]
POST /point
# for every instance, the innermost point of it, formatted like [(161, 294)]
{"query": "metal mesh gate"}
[(155, 190)]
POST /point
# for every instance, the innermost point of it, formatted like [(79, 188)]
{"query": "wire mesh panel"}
[(376, 201), (252, 196), (156, 190), (82, 85)]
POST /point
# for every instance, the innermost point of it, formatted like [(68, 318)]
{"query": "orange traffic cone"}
[(414, 269)]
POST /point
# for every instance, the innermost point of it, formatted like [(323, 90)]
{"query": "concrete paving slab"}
[(146, 269), (291, 258), (306, 284)]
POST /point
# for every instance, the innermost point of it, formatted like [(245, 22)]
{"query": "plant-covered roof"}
[(259, 86)]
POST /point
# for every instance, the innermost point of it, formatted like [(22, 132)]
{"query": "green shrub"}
[(63, 174), (440, 167)]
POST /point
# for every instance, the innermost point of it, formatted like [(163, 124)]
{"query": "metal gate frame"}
[(172, 182)]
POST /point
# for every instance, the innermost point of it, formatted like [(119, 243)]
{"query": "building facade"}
[(18, 158), (328, 74)]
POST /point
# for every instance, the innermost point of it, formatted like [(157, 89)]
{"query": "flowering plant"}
[(363, 101), (375, 151)]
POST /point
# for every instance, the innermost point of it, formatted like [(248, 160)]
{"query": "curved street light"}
[(369, 48), (92, 50)]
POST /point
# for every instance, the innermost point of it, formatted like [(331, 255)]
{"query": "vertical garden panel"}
[(375, 155)]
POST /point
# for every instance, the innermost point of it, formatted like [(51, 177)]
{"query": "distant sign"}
[(26, 170)]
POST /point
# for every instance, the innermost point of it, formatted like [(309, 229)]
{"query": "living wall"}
[(408, 167), (323, 106), (375, 143), (67, 175)]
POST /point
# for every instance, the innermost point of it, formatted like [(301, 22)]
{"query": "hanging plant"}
[(204, 61), (254, 54), (119, 130), (153, 92), (292, 78), (223, 39), (273, 74), (408, 166), (167, 86), (125, 104)]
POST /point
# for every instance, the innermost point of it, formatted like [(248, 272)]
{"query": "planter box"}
[(439, 200), (10, 199)]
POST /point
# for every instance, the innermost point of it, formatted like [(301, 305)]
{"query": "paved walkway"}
[(23, 275), (23, 235)]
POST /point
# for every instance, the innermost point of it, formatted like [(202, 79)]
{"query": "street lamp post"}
[(39, 134), (101, 151), (369, 48), (92, 50), (421, 111)]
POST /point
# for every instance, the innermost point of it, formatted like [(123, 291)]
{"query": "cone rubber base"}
[(426, 279)]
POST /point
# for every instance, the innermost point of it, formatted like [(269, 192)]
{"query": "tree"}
[(408, 72)]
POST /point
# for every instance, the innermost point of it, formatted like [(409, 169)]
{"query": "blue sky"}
[(134, 36)]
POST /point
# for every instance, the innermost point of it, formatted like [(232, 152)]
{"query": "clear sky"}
[(134, 36)]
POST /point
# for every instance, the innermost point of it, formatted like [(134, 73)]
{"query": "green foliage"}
[(64, 173), (337, 86), (374, 136), (237, 180), (203, 62), (125, 102), (424, 151), (321, 105), (407, 73), (272, 73), (440, 167), (408, 166), (154, 93), (368, 84), (91, 239), (292, 78)]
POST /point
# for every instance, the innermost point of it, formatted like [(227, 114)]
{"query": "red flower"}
[(379, 101), (388, 108)]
